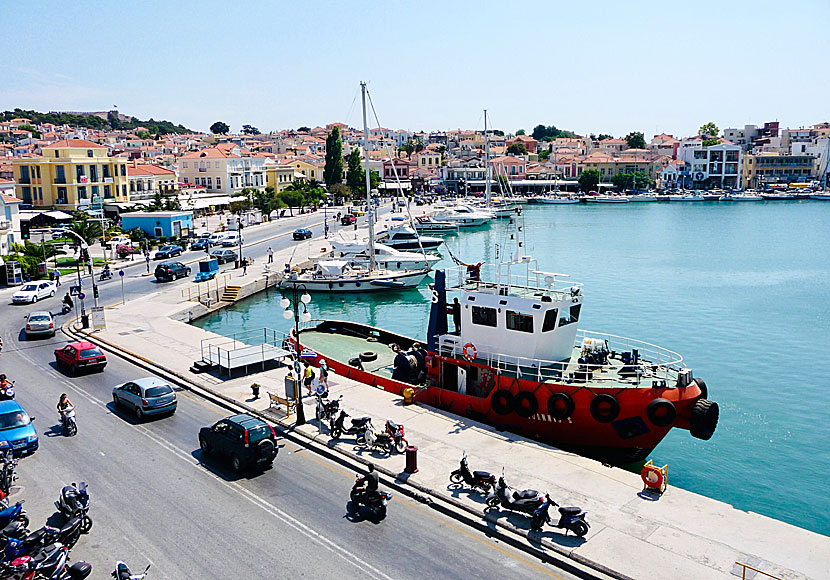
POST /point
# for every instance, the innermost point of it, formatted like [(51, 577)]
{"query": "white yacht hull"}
[(369, 282)]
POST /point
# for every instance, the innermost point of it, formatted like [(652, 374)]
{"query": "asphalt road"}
[(154, 501)]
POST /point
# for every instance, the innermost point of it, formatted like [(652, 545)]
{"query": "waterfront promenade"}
[(679, 535)]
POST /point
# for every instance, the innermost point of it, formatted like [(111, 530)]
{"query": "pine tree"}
[(333, 172), (356, 179)]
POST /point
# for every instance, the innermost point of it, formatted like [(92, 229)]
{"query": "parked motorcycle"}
[(70, 427), (356, 428), (122, 572), (327, 410), (14, 513), (525, 501), (74, 502), (8, 464), (570, 518), (14, 529), (66, 535), (375, 501), (377, 440), (395, 431), (483, 480), (48, 562)]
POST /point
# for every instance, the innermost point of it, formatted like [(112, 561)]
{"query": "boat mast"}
[(487, 197), (369, 209)]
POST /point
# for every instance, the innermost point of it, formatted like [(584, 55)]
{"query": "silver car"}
[(147, 396), (39, 323)]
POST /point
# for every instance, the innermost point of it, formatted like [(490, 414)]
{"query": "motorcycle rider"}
[(5, 383), (368, 484), (64, 406), (106, 272), (67, 300)]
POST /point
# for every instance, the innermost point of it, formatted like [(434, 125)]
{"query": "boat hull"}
[(396, 280), (629, 437)]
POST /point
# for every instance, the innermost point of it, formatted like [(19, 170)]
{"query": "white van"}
[(216, 238), (232, 239)]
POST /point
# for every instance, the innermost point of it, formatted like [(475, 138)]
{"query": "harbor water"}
[(741, 290)]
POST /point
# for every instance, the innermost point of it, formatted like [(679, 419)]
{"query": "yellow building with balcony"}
[(71, 174), (279, 176)]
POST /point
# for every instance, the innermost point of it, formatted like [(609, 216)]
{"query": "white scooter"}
[(122, 572)]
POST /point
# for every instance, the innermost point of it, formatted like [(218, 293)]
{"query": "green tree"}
[(143, 134), (636, 140), (239, 205), (340, 192), (517, 149), (35, 133), (250, 130), (88, 230), (220, 128), (333, 172), (709, 129), (356, 178), (304, 129), (157, 203), (589, 180), (172, 203), (408, 148), (544, 155), (292, 196), (419, 145), (550, 132), (623, 181), (710, 142), (520, 132)]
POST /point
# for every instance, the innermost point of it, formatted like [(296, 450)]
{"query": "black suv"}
[(246, 440), (171, 270)]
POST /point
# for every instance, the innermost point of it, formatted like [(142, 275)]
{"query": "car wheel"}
[(236, 463), (115, 400), (204, 446), (139, 414), (175, 276), (52, 293)]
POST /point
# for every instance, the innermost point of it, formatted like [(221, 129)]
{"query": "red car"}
[(80, 355), (348, 219)]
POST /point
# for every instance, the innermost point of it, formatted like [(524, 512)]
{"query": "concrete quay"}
[(680, 535)]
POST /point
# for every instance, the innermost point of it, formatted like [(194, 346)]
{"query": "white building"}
[(9, 217), (713, 166), (224, 169)]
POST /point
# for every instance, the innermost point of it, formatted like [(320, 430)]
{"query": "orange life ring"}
[(654, 481), (470, 351)]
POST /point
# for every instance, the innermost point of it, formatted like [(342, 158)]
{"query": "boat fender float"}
[(368, 356), (704, 392), (502, 402), (661, 412), (654, 478), (560, 406), (470, 351), (704, 419), (526, 404), (604, 408)]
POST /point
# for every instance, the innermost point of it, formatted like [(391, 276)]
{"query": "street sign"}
[(74, 290), (81, 295), (99, 321), (121, 273), (97, 200)]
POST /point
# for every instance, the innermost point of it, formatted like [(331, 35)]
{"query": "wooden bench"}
[(276, 401)]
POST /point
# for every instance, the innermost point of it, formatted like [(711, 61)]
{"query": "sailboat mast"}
[(486, 162), (369, 208)]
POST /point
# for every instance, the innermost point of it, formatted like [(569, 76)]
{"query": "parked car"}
[(201, 244), (223, 256), (216, 238), (39, 323), (166, 252), (147, 396), (245, 440), (16, 430), (80, 355), (171, 271), (302, 234), (232, 239), (116, 241), (31, 292), (348, 219)]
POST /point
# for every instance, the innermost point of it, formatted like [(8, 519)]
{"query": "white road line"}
[(260, 502)]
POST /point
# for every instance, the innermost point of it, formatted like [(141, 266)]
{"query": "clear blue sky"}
[(601, 66)]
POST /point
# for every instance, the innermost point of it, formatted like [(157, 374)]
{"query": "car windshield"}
[(29, 288), (259, 433), (39, 318), (91, 352), (166, 248), (13, 420), (158, 391)]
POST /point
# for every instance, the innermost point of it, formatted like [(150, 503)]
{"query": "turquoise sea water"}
[(741, 290)]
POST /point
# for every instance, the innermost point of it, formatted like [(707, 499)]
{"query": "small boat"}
[(642, 197), (820, 196), (608, 199), (426, 225), (687, 197), (386, 257), (504, 211), (740, 197), (558, 200), (330, 275), (405, 238), (464, 216), (779, 196)]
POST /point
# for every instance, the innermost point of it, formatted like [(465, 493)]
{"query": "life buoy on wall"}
[(525, 404), (502, 402), (661, 412), (470, 351), (604, 408), (560, 406)]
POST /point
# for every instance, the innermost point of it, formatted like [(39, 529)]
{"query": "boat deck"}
[(343, 347)]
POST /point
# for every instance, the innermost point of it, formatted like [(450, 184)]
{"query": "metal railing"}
[(654, 362), (221, 350), (745, 566), (201, 291), (522, 277)]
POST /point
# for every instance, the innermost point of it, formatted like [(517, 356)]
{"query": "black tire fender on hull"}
[(604, 408), (502, 402), (704, 392), (661, 412), (526, 404), (560, 406), (704, 419)]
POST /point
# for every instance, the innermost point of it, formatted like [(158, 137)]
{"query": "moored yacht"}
[(386, 257), (403, 237)]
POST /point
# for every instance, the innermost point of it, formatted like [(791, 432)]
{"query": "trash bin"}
[(411, 459), (85, 324), (236, 263)]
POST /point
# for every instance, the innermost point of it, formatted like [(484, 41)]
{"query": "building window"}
[(218, 183), (37, 171), (27, 194), (89, 152), (105, 170), (95, 191), (60, 174), (40, 193), (124, 190), (93, 173), (79, 172), (123, 171), (484, 316), (107, 192), (210, 182), (57, 154), (81, 192), (519, 321), (215, 164)]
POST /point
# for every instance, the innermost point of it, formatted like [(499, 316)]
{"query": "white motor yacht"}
[(405, 238), (386, 257)]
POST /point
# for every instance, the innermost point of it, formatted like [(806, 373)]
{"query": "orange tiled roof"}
[(135, 169), (77, 143)]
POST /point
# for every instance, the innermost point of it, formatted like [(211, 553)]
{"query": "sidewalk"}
[(681, 535)]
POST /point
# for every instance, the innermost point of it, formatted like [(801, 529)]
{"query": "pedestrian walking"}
[(57, 277), (147, 260), (270, 255), (308, 376), (244, 266), (324, 374)]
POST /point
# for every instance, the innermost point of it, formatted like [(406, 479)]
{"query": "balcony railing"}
[(5, 225)]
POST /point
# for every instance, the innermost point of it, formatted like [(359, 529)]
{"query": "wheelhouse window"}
[(484, 316), (519, 321), (550, 320), (569, 317)]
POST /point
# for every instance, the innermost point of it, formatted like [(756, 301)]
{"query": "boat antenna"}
[(488, 196), (366, 169)]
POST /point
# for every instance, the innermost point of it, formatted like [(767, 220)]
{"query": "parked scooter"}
[(122, 572), (395, 431), (525, 501), (70, 427), (67, 535), (375, 501), (357, 427), (570, 518), (377, 440), (8, 464), (48, 562), (14, 513), (74, 502), (327, 410), (483, 480)]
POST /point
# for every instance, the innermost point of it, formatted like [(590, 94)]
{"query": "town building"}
[(224, 169), (9, 217), (715, 165), (146, 180), (529, 142), (71, 174), (159, 223), (768, 168), (279, 176)]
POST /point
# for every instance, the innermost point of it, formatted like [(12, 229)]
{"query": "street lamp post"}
[(292, 308)]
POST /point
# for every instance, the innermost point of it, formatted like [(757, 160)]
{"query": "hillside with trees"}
[(112, 122)]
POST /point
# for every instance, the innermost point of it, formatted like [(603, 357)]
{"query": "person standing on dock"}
[(270, 255)]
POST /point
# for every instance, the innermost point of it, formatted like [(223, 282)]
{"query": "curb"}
[(447, 506)]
